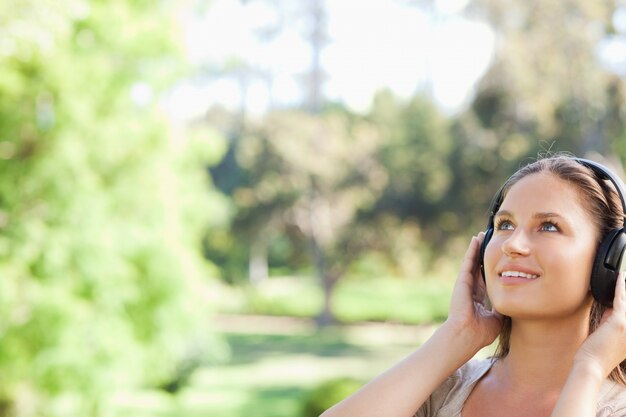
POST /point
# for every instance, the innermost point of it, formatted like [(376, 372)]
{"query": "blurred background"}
[(250, 207)]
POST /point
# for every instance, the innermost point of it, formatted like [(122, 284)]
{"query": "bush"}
[(328, 394)]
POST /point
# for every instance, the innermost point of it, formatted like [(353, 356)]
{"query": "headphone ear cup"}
[(607, 265), (483, 246)]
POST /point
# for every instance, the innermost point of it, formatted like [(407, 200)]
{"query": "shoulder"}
[(463, 380), (473, 370), (612, 400)]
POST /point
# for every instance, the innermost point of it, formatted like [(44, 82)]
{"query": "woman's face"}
[(538, 262)]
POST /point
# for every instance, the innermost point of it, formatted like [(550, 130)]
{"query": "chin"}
[(520, 307), (541, 311)]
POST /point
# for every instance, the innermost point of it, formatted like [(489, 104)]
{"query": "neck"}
[(541, 352)]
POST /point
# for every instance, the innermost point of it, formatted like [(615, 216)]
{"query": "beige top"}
[(449, 398)]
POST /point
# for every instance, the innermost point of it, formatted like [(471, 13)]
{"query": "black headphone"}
[(608, 260)]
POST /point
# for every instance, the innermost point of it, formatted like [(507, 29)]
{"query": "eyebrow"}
[(540, 216)]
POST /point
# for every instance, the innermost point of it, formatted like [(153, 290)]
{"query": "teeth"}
[(518, 274)]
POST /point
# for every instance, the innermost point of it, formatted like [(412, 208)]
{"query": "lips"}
[(516, 273), (520, 274)]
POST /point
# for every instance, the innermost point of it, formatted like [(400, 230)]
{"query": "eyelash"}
[(500, 222), (554, 224)]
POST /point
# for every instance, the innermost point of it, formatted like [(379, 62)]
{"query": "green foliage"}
[(415, 152), (328, 394), (305, 177), (546, 82), (100, 212)]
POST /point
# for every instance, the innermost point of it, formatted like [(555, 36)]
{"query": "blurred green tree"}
[(546, 82), (101, 211), (381, 179), (312, 175), (415, 153)]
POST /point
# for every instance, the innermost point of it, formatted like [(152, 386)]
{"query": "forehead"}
[(545, 192)]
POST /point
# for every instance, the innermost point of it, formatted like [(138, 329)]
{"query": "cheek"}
[(567, 273), (574, 265)]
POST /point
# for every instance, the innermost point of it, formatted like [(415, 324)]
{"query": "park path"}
[(246, 324)]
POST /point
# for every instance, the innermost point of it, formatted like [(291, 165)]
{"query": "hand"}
[(468, 308), (605, 348)]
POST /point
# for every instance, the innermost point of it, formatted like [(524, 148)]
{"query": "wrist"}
[(589, 369), (464, 336), (580, 392), (450, 347)]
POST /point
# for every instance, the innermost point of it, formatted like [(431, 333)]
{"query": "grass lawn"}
[(269, 374), (278, 355), (354, 300), (273, 366)]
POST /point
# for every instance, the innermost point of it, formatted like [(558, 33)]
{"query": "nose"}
[(516, 244)]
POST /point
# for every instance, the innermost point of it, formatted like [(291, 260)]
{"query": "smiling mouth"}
[(517, 274)]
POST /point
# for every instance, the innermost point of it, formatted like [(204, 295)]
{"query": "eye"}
[(549, 227), (504, 224)]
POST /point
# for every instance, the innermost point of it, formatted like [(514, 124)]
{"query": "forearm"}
[(579, 396), (401, 390)]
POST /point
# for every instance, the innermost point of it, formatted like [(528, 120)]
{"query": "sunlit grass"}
[(355, 300), (403, 301), (275, 362), (269, 374)]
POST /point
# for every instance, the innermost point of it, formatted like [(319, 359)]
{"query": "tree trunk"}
[(258, 270), (326, 316)]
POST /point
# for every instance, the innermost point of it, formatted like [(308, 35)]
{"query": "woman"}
[(561, 353)]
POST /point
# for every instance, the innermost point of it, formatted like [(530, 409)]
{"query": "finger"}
[(469, 260)]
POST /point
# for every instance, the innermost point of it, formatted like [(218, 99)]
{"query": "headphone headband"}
[(606, 174)]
